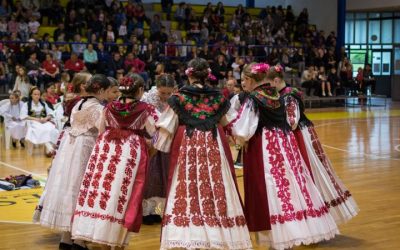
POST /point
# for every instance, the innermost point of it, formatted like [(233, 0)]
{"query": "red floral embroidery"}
[(291, 108), (319, 151), (204, 187), (130, 166), (99, 216), (89, 173)]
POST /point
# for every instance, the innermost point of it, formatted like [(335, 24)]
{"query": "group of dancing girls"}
[(103, 179)]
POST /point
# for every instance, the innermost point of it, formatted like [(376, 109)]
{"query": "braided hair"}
[(198, 68), (129, 85)]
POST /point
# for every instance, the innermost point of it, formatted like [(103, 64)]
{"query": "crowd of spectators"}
[(109, 37)]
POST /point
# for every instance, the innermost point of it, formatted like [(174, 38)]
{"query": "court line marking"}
[(22, 170), (17, 222), (368, 155), (397, 148)]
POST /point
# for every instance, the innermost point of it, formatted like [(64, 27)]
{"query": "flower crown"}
[(278, 68), (189, 71), (260, 68), (211, 77), (125, 83)]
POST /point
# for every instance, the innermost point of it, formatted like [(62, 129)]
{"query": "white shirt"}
[(36, 109)]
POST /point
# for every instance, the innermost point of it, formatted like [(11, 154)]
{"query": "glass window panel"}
[(387, 46), (387, 14), (376, 46), (376, 63), (397, 61), (360, 30), (354, 46), (363, 46), (374, 15), (387, 31), (374, 32), (396, 30), (386, 64), (349, 38), (397, 14), (361, 15), (349, 16)]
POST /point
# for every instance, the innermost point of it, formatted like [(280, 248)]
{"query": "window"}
[(349, 36), (396, 31), (374, 32), (386, 63), (387, 31), (361, 31)]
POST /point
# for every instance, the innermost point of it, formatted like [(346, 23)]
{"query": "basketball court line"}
[(368, 155), (42, 177)]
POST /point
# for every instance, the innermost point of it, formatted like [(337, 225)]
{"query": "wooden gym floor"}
[(362, 143)]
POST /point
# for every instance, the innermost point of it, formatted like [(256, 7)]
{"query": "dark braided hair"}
[(97, 83), (130, 84), (198, 68)]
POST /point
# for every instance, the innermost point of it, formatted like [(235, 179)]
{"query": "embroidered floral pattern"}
[(291, 108), (89, 174), (267, 95), (278, 172), (131, 164), (201, 107), (201, 199), (342, 195), (99, 216)]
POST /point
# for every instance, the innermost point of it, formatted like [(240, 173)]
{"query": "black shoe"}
[(14, 144), (148, 220), (156, 218), (64, 246), (78, 247), (22, 143)]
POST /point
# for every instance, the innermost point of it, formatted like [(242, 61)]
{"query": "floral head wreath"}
[(125, 83), (278, 68), (211, 77), (260, 68), (189, 71)]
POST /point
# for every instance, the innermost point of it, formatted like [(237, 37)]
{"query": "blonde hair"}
[(78, 80)]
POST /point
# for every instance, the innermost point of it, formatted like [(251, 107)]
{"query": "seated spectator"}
[(40, 129), (180, 14), (11, 113), (50, 70), (33, 26), (33, 68), (78, 47), (134, 65), (117, 65), (346, 77), (309, 80), (51, 96), (90, 58), (360, 79), (334, 81), (167, 7), (220, 12), (369, 79), (323, 79), (104, 59), (74, 64), (22, 83)]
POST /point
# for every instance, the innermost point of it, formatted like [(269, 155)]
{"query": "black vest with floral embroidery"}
[(199, 108), (298, 95), (270, 107)]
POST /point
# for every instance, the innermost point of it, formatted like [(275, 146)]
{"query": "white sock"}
[(66, 238)]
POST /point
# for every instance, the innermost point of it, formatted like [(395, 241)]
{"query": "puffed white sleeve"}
[(292, 112), (49, 111), (245, 124), (167, 125), (24, 111), (152, 118)]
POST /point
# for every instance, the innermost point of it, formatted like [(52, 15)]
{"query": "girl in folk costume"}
[(11, 112), (40, 128), (78, 91), (157, 178), (109, 205), (70, 162), (336, 196), (203, 208), (113, 92), (282, 205)]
